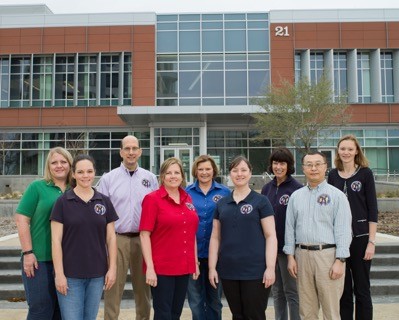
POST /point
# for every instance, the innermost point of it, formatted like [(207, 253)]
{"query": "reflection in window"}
[(340, 74), (42, 81), (87, 80), (316, 66), (4, 81), (109, 81), (20, 81), (363, 75), (64, 80), (387, 77)]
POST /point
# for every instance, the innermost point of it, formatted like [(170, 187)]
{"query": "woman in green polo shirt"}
[(32, 219)]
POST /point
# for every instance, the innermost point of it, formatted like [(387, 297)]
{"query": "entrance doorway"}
[(330, 155), (184, 153)]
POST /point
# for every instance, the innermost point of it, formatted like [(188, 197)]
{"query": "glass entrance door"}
[(185, 154), (330, 155)]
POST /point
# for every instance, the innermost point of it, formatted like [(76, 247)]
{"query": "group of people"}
[(309, 245)]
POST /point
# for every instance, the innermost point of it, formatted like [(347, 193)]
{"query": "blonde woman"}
[(353, 176), (32, 219)]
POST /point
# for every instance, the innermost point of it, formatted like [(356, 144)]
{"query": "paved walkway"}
[(384, 309)]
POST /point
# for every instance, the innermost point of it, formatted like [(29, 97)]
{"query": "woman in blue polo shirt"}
[(83, 244), (243, 246), (203, 299)]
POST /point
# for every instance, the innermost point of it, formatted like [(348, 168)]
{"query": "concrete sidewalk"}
[(385, 308)]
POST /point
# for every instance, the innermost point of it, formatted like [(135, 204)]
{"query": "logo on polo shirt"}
[(323, 199), (100, 209), (190, 206), (246, 209), (216, 198), (356, 186), (146, 183), (284, 199)]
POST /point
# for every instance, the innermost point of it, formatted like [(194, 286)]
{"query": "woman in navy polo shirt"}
[(83, 244), (243, 247), (167, 232)]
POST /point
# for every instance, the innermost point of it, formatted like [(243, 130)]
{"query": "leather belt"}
[(128, 234), (315, 247)]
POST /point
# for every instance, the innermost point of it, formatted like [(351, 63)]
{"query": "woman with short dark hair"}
[(278, 191)]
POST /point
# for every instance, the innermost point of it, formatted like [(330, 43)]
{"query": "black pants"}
[(247, 299), (168, 297), (357, 282)]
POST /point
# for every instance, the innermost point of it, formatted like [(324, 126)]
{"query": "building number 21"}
[(281, 31)]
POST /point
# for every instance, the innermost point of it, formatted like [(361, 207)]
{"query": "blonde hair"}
[(63, 152), (165, 166), (360, 158)]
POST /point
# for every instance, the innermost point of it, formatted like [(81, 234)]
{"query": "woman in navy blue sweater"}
[(279, 190), (353, 176)]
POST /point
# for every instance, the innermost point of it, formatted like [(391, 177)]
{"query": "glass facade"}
[(25, 153), (66, 80), (212, 59)]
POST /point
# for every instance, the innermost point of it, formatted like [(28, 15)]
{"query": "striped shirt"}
[(318, 216), (126, 193)]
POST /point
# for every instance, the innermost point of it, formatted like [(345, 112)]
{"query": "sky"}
[(187, 6)]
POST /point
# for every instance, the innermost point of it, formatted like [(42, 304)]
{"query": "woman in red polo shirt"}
[(168, 227)]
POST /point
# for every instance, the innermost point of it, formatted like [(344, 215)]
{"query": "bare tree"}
[(299, 113)]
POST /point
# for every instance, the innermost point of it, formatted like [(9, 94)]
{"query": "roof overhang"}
[(212, 115)]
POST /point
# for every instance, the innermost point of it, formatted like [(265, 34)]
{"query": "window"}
[(64, 80), (363, 75), (340, 75), (20, 81), (109, 80), (387, 77), (87, 80)]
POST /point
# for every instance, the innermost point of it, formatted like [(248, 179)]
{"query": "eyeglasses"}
[(317, 165), (133, 149)]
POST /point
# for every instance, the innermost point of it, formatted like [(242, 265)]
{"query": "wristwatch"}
[(341, 259), (372, 241)]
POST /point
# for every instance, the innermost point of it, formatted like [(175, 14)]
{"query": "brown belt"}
[(128, 234)]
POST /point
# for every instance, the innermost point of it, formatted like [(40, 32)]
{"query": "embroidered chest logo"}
[(356, 186), (284, 199), (190, 206), (246, 209), (216, 198), (146, 183), (100, 209), (323, 199)]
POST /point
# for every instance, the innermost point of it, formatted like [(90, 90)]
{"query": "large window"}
[(66, 80), (212, 59)]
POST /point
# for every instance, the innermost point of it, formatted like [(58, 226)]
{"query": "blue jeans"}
[(82, 299), (203, 299), (41, 294), (285, 292)]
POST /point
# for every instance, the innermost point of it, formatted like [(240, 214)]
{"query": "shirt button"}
[(185, 241), (184, 231), (185, 252), (184, 222)]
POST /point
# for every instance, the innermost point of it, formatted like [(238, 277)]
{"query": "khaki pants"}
[(315, 287), (129, 255)]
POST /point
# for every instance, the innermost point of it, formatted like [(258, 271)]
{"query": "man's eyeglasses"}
[(133, 149), (317, 165)]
